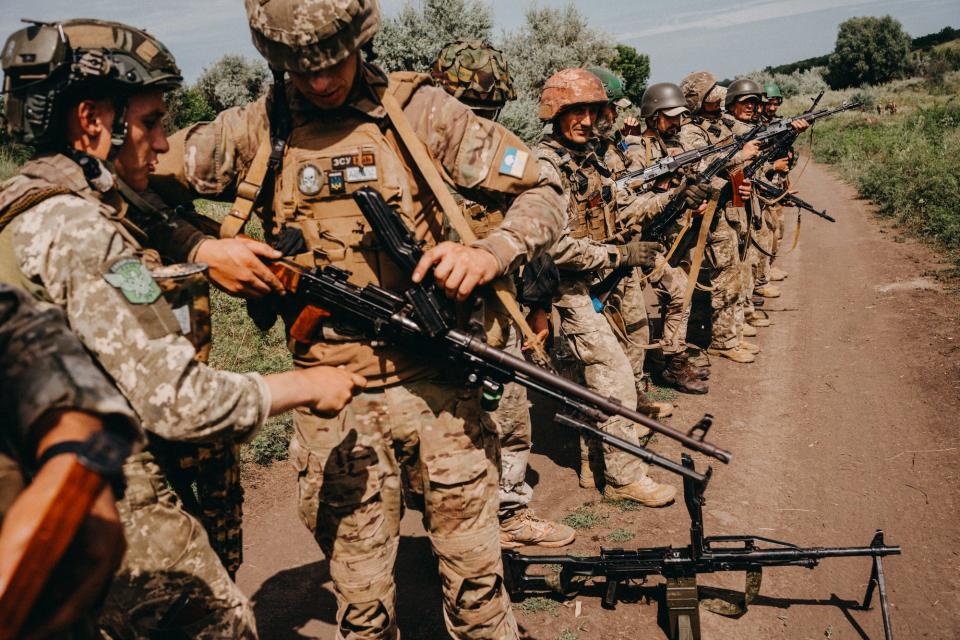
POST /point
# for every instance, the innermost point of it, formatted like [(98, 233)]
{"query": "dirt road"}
[(846, 423)]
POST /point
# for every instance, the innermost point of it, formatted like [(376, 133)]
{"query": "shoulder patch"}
[(513, 163), (134, 281)]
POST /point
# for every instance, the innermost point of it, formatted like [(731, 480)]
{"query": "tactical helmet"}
[(740, 90), (568, 88), (664, 96), (47, 64), (475, 73), (772, 90), (307, 37), (612, 85), (700, 87)]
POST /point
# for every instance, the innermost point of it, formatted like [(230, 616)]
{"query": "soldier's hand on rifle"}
[(326, 390), (639, 253), (800, 125), (750, 150), (236, 266), (457, 268), (745, 189), (696, 194), (96, 551)]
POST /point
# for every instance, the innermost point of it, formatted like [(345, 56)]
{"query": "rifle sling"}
[(430, 172), (697, 261), (248, 192)]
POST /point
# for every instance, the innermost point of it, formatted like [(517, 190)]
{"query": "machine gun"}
[(670, 164), (771, 192), (416, 319), (680, 566), (657, 230), (784, 126)]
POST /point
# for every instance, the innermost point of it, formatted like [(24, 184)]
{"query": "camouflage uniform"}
[(349, 466), (74, 250)]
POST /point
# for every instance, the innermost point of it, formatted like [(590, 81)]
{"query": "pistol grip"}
[(305, 326)]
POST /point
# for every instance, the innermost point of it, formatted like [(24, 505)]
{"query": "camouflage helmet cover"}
[(475, 73), (663, 96), (699, 87), (772, 90), (742, 89), (307, 36), (568, 88), (613, 86), (45, 62)]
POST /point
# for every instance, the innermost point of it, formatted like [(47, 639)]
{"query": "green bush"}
[(909, 166)]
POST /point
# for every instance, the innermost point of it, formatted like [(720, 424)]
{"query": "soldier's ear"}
[(94, 116)]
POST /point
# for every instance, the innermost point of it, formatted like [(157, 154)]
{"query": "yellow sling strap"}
[(430, 173), (247, 192), (697, 261)]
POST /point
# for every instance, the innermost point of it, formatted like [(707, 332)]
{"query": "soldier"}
[(341, 125), (85, 94), (707, 125), (662, 108), (476, 74), (772, 99), (55, 401), (778, 175), (610, 145), (571, 101)]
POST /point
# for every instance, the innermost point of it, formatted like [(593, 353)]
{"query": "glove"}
[(639, 254), (696, 194)]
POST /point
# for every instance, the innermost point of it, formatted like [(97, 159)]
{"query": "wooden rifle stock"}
[(304, 328)]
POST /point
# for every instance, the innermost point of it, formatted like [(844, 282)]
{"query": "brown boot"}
[(645, 491), (523, 528), (734, 353), (649, 407), (759, 319), (749, 347), (777, 274), (681, 376), (768, 291), (749, 330)]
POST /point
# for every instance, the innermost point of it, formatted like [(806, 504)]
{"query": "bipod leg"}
[(683, 608), (878, 582)]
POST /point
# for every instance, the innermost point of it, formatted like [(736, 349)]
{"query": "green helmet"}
[(613, 85), (306, 37), (47, 64), (663, 96), (740, 90), (475, 73), (772, 90)]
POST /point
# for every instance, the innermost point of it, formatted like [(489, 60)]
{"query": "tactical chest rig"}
[(591, 207)]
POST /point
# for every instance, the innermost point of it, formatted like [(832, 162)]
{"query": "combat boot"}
[(645, 491), (749, 330), (698, 357), (759, 319), (651, 408), (680, 375), (523, 528), (749, 347), (777, 274), (768, 291), (588, 479), (734, 353)]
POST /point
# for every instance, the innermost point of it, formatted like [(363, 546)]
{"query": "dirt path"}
[(845, 424)]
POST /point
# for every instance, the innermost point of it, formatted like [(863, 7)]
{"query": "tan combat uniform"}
[(408, 417), (583, 258), (75, 251)]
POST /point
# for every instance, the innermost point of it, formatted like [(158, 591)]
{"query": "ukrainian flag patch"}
[(514, 162)]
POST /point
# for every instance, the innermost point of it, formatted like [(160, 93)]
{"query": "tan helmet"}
[(475, 73), (309, 36), (567, 88), (699, 87), (47, 64)]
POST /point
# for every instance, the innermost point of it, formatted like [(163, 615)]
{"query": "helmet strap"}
[(118, 134)]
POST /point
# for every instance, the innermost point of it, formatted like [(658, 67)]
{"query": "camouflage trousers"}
[(511, 421), (726, 279), (606, 369), (171, 583), (350, 496), (670, 285), (766, 237)]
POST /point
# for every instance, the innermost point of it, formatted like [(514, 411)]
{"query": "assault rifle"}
[(657, 230), (783, 126), (670, 164), (680, 566), (771, 192), (417, 319)]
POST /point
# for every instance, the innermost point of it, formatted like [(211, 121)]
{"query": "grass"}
[(907, 164), (620, 535), (584, 517), (567, 634), (538, 604), (623, 506)]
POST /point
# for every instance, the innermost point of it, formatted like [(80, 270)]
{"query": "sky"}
[(727, 37)]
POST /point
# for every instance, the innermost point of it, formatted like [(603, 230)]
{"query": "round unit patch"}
[(310, 180)]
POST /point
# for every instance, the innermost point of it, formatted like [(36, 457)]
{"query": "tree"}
[(550, 40), (185, 106), (634, 68), (412, 40), (869, 51), (232, 81)]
